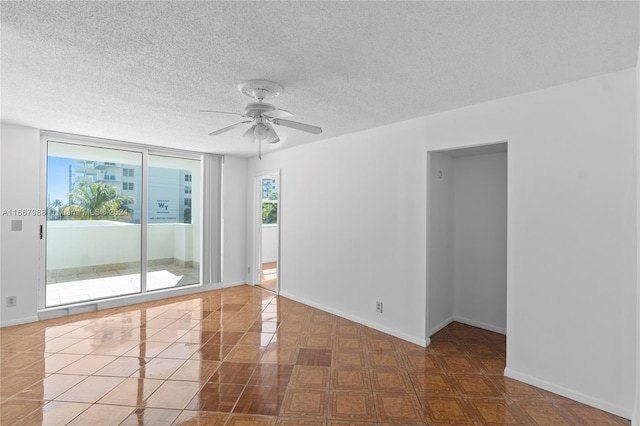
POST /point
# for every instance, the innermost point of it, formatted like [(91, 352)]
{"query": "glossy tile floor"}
[(243, 356)]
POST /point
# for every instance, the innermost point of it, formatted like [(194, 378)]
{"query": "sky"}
[(58, 179)]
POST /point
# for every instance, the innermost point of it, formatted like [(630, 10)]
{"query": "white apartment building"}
[(169, 190)]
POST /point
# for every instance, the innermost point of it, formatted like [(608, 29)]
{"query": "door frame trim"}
[(257, 226)]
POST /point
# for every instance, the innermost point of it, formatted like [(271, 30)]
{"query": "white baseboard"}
[(569, 393), (479, 324), (18, 321), (233, 284), (466, 321), (440, 326), (379, 327)]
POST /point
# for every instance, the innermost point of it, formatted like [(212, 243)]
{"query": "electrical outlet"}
[(379, 307), (12, 301)]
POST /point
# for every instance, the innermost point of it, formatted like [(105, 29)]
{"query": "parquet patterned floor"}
[(243, 356)]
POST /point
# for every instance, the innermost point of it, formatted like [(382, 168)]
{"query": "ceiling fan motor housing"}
[(255, 109)]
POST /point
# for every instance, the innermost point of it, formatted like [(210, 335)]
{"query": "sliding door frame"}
[(145, 151)]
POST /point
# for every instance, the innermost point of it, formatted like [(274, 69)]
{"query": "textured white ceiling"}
[(140, 71)]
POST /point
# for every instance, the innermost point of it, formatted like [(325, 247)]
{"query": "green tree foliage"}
[(270, 210), (269, 213), (53, 211), (97, 201)]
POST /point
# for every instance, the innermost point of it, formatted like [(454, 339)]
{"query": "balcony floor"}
[(99, 285)]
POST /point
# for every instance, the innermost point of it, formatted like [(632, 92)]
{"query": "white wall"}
[(269, 243), (440, 306), (571, 257), (20, 250), (636, 413), (2, 228), (234, 216), (349, 234), (480, 240), (571, 283)]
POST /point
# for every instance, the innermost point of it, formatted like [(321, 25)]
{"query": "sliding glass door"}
[(173, 230), (119, 222), (93, 248)]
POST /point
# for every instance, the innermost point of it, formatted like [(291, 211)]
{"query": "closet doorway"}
[(467, 238)]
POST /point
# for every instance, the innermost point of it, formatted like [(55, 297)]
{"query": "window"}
[(269, 201), (127, 186), (187, 202), (187, 178), (187, 190), (127, 172)]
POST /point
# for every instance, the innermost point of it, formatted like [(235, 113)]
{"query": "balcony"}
[(93, 259)]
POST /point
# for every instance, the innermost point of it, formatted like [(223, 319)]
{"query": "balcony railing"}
[(99, 243)]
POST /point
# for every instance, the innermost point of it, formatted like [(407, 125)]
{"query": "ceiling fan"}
[(261, 115)]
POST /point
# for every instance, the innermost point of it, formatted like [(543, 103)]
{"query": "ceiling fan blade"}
[(272, 136), (248, 135), (277, 113), (298, 126), (226, 129), (223, 112)]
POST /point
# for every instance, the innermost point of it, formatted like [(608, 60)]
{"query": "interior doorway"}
[(467, 238), (267, 225)]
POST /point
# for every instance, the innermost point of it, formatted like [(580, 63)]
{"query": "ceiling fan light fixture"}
[(262, 115), (272, 135), (248, 135), (261, 132)]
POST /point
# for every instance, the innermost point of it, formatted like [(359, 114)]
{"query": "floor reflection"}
[(243, 355), (269, 276)]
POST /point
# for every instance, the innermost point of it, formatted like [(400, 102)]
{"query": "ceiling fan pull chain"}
[(260, 150)]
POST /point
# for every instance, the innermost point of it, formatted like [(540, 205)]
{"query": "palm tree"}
[(53, 212), (97, 201)]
